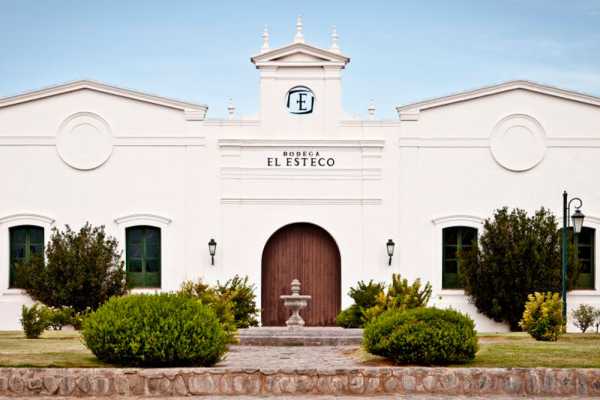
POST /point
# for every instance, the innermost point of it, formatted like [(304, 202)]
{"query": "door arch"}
[(308, 253)]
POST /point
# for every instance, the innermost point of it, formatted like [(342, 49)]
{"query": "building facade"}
[(300, 191)]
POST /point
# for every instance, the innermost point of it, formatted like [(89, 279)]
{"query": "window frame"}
[(144, 275), (28, 244), (458, 244), (157, 221), (448, 221), (10, 221), (592, 247)]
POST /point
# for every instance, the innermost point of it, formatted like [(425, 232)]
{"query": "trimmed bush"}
[(423, 336), (542, 317), (155, 330), (34, 320), (584, 317)]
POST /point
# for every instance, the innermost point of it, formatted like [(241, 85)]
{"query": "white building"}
[(302, 190)]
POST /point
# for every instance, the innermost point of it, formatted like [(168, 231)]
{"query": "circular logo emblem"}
[(300, 100)]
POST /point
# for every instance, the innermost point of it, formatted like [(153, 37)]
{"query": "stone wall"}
[(224, 381)]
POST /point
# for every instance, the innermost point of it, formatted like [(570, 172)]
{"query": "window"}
[(454, 239), (142, 256), (585, 253), (25, 241)]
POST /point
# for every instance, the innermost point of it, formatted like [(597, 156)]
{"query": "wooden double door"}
[(308, 253)]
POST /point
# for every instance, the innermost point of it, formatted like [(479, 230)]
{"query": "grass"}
[(65, 349), (62, 349), (519, 350)]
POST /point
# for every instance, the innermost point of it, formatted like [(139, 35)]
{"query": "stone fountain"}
[(295, 302)]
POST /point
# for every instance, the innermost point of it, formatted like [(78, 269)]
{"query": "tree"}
[(516, 255), (82, 269)]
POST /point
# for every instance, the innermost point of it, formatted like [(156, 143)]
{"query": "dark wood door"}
[(308, 253)]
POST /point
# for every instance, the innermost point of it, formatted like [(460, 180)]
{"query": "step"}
[(310, 336)]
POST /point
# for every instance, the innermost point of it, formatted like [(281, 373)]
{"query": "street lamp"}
[(212, 249), (390, 249), (577, 219)]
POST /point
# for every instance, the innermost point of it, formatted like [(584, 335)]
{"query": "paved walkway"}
[(299, 357)]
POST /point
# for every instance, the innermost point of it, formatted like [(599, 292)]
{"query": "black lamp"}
[(212, 249), (390, 249)]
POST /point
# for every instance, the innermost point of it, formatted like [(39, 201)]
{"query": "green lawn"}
[(52, 349), (65, 349)]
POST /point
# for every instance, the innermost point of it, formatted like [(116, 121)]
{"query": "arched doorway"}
[(308, 253)]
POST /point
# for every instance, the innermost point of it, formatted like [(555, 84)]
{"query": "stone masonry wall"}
[(223, 381)]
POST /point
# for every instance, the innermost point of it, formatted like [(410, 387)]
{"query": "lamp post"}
[(390, 249), (577, 219), (212, 248)]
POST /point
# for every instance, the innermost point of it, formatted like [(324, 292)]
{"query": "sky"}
[(199, 51)]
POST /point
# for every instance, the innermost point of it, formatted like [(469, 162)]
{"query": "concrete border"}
[(167, 382)]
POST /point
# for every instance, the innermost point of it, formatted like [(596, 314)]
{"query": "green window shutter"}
[(585, 254), (143, 256), (454, 239), (25, 241)]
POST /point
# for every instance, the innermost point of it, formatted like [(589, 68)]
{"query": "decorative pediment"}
[(300, 55), (411, 111), (197, 111)]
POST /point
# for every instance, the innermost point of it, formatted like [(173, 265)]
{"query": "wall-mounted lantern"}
[(212, 249), (390, 249)]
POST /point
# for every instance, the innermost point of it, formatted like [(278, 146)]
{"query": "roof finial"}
[(265, 37), (335, 47), (371, 109), (231, 108), (299, 38)]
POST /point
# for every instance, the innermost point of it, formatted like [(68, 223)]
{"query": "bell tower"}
[(300, 87)]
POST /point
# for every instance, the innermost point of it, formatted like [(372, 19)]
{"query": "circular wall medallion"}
[(518, 142), (84, 141)]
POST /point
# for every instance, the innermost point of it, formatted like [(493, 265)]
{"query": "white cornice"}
[(329, 58), (335, 143), (143, 218), (299, 201), (458, 218), (192, 111), (27, 217), (410, 110)]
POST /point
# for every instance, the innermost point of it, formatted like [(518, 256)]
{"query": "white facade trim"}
[(457, 219), (299, 201), (143, 218), (317, 142)]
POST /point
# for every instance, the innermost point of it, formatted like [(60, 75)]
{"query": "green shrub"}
[(155, 330), (365, 297), (400, 296), (82, 269), (243, 300), (584, 317), (34, 320), (424, 336), (222, 307), (60, 316), (517, 254), (542, 317)]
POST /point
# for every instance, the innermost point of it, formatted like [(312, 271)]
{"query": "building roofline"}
[(103, 88), (500, 88)]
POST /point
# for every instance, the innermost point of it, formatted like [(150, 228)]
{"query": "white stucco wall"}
[(199, 178)]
